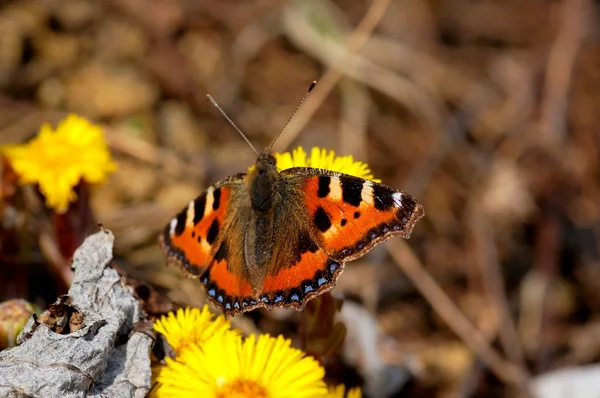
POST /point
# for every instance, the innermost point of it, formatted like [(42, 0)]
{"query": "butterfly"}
[(278, 238)]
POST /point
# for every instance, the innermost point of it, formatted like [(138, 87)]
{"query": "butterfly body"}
[(274, 238)]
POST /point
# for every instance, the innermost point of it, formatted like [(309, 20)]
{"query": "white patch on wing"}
[(172, 226), (189, 217), (397, 198), (367, 193), (335, 188), (210, 198), (333, 232)]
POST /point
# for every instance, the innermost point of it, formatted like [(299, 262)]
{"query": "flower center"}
[(242, 389)]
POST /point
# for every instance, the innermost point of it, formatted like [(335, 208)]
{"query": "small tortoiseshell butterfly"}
[(274, 238)]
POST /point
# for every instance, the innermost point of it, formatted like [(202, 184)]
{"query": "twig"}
[(354, 120), (57, 264), (536, 287), (561, 61), (358, 38), (487, 258), (456, 320), (427, 108)]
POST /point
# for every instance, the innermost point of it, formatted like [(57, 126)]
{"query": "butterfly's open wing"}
[(205, 240), (333, 218), (324, 219), (193, 238), (349, 216)]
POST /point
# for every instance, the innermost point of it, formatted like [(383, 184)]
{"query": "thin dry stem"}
[(358, 38), (561, 61), (57, 264), (453, 316), (487, 259)]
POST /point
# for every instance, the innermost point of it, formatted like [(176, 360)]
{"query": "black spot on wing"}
[(180, 225), (222, 253), (351, 190), (213, 231), (356, 214), (323, 190), (321, 277), (343, 222), (322, 220), (295, 295), (306, 244), (216, 198), (382, 197), (406, 210), (199, 205), (307, 286)]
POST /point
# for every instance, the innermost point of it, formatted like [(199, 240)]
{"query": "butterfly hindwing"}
[(228, 280), (303, 269), (300, 270), (225, 284)]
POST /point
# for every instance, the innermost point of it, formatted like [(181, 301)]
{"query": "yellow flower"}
[(190, 326), (340, 392), (322, 159), (58, 159), (229, 367)]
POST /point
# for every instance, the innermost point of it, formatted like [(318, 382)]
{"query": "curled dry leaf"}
[(87, 343), (61, 317)]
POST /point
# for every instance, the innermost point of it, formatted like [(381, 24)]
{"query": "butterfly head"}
[(263, 182)]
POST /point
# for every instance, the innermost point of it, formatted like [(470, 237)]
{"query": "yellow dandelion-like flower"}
[(187, 327), (322, 159), (339, 391), (190, 326), (58, 159), (229, 367)]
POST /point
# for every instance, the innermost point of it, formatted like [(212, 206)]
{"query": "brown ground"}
[(487, 111)]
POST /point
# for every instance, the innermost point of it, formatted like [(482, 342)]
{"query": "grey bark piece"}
[(85, 363)]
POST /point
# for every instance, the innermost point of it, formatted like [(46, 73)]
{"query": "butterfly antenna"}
[(312, 85), (231, 121)]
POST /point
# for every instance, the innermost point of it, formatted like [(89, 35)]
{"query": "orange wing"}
[(311, 274), (307, 273), (228, 289), (349, 216), (191, 238), (205, 240)]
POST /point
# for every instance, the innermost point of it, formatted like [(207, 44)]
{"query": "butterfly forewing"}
[(348, 215), (192, 238), (325, 219)]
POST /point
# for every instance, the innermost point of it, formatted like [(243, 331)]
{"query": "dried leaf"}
[(103, 355)]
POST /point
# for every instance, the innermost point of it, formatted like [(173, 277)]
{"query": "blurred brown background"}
[(486, 111)]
